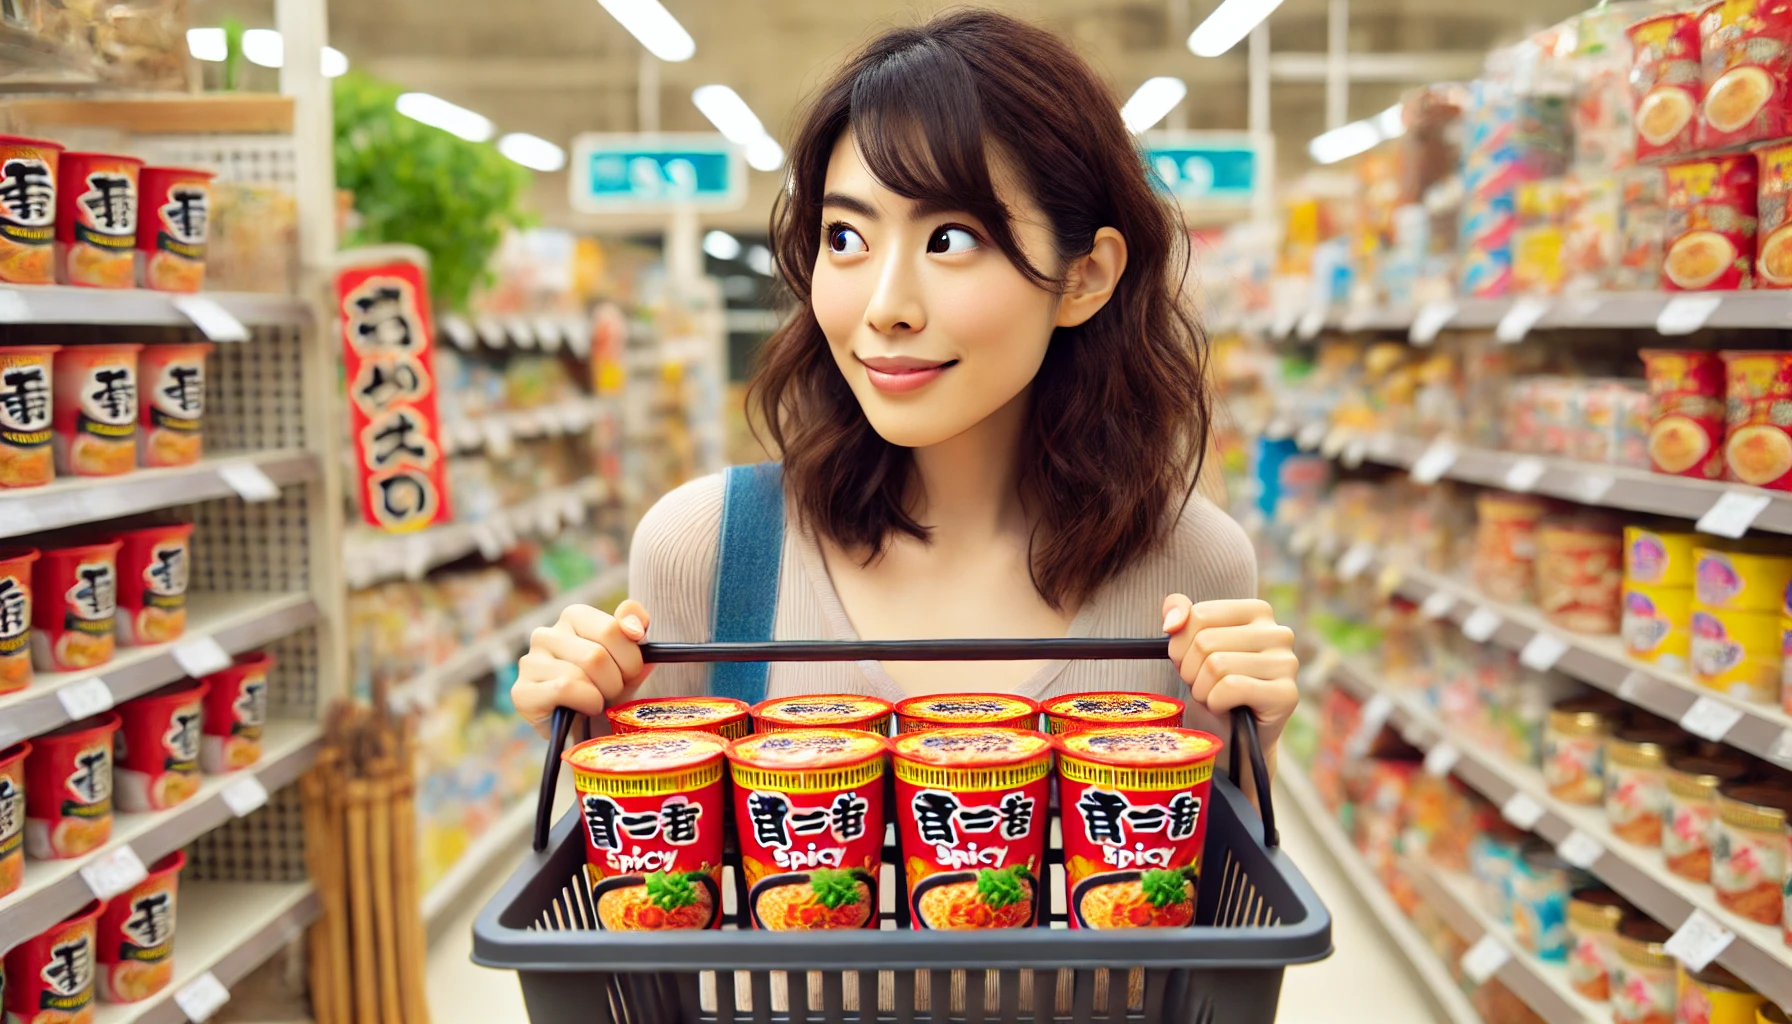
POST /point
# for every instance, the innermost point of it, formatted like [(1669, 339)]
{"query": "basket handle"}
[(1054, 648)]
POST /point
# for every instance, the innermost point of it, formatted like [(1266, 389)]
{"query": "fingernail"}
[(1174, 618), (631, 624)]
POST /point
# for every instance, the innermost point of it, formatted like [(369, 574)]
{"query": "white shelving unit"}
[(494, 432), (1603, 310), (57, 304), (73, 501)]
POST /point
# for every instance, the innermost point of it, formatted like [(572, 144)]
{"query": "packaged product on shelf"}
[(1747, 46), (1657, 624), (824, 711), (1715, 996), (136, 935), (236, 711), (1738, 578), (68, 789), (96, 410), (26, 456), (1591, 238), (1642, 228), (171, 228), (1737, 653), (15, 617), (814, 800), (1758, 390), (1603, 129), (1659, 557), (1541, 882), (948, 710), (36, 993), (960, 793), (1711, 224), (1609, 423), (1506, 544), (1493, 860), (158, 749), (723, 716), (28, 210), (1537, 242), (1580, 572), (173, 379), (1666, 77), (1636, 789), (253, 241), (1488, 225), (1593, 917), (1749, 854), (12, 816), (96, 219), (1573, 754), (153, 566), (669, 877), (1077, 711), (1686, 427), (1773, 255), (1644, 989), (1692, 811), (75, 609)]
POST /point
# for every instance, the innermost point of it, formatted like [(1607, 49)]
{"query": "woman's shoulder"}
[(1208, 547), (678, 536)]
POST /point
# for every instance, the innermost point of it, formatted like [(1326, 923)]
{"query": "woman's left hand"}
[(1235, 654)]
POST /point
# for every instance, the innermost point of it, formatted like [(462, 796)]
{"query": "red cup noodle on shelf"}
[(972, 813), (823, 711), (15, 618), (173, 401), (135, 935), (96, 410), (1074, 712), (809, 809), (96, 219), (1711, 224), (653, 812), (723, 716), (28, 210), (171, 227), (152, 583), (74, 606), (68, 789), (158, 758), (12, 816), (1666, 79), (1773, 251), (27, 458), (1757, 445), (50, 977), (1747, 55), (236, 710), (1134, 803), (1686, 427), (944, 710)]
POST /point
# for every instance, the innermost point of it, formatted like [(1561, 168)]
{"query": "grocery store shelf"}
[(545, 332), (54, 889), (59, 304), (1740, 309), (70, 501), (495, 430), (1291, 780), (228, 929), (504, 645), (1758, 955), (236, 621), (506, 837), (370, 556)]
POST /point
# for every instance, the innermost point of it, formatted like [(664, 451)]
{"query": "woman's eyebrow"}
[(851, 204)]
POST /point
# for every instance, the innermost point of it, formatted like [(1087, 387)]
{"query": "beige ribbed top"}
[(672, 572)]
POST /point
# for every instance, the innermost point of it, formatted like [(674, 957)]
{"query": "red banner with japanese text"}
[(388, 346)]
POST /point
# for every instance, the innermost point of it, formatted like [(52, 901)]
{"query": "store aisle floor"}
[(1365, 981)]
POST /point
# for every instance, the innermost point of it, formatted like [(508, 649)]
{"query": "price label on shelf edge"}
[(1519, 320), (250, 482), (244, 795), (1355, 560), (1580, 849), (1310, 436), (1686, 313), (1710, 719), (1436, 605), (213, 320), (1542, 652), (1481, 625), (1592, 488), (86, 698), (1523, 475), (201, 656), (1311, 323), (1441, 759), (1485, 958), (1698, 941), (1431, 318), (1336, 440), (113, 872), (1354, 453), (1434, 463), (1634, 686), (1733, 513), (1374, 716), (202, 998), (1522, 810)]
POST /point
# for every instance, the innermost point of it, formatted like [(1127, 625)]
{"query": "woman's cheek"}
[(838, 304)]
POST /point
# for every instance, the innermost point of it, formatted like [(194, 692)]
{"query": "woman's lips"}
[(896, 376)]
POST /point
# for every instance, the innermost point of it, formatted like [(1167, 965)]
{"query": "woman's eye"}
[(845, 240), (950, 240)]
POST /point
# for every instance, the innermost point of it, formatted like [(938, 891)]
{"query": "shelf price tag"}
[(201, 656), (1631, 689), (418, 555), (1375, 715), (1311, 323), (1580, 849), (86, 698), (1310, 436), (1356, 317), (1441, 759), (1710, 719), (202, 998), (1592, 489), (213, 320), (1387, 581), (1437, 460), (1431, 319), (1542, 652), (1336, 440), (1278, 429), (1522, 810), (1685, 314), (244, 796), (498, 442), (1698, 941), (1436, 605), (1733, 513), (486, 539), (1354, 453), (1485, 958), (459, 332), (1481, 626), (1303, 539), (113, 872), (1355, 560), (250, 482), (1519, 320), (1782, 748), (1524, 474)]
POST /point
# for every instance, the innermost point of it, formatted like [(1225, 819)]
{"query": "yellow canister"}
[(1737, 653), (1786, 661), (1716, 996), (1657, 624), (1661, 558), (1741, 581)]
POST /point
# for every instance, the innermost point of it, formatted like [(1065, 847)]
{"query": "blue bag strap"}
[(747, 563)]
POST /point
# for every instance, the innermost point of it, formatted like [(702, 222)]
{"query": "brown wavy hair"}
[(1118, 424)]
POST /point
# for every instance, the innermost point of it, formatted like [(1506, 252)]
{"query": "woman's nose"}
[(895, 304)]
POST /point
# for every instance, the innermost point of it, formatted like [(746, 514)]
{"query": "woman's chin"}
[(919, 425)]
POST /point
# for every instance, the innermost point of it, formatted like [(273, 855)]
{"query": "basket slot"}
[(904, 996), (762, 997), (869, 984), (975, 1005), (1155, 983), (833, 997), (1082, 1007), (725, 1004)]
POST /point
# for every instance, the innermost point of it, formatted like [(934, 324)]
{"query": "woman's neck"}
[(966, 488)]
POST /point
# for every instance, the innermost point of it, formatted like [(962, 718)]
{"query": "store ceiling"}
[(558, 67)]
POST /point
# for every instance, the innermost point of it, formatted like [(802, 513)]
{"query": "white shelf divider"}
[(130, 307), (71, 501)]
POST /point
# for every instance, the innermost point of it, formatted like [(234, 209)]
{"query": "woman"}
[(991, 407)]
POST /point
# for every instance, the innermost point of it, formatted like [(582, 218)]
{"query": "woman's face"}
[(932, 325)]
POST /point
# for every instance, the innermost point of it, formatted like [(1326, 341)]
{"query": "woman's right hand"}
[(586, 661)]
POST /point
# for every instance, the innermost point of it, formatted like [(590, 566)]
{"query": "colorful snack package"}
[(96, 219), (1758, 400), (96, 410), (1686, 426), (68, 789), (1711, 224), (1665, 78), (1747, 47), (28, 209), (171, 227), (27, 458)]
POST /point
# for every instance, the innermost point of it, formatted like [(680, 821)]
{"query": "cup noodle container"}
[(1135, 816), (75, 600), (1757, 446), (1074, 712), (26, 456), (28, 209), (236, 710), (1657, 625), (653, 810), (1686, 427), (1711, 224), (1747, 48), (1773, 233), (809, 809), (50, 977), (96, 410), (158, 756), (68, 789), (96, 219), (1666, 83), (173, 400), (171, 227), (152, 583), (15, 618), (136, 935), (723, 716), (824, 711), (12, 816), (948, 710)]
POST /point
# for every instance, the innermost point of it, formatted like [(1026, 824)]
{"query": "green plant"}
[(417, 184)]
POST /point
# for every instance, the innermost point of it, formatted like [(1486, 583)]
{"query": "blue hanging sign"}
[(636, 173), (1222, 168)]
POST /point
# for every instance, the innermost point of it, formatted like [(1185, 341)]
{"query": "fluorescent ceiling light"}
[(764, 154), (439, 113), (1347, 141), (1151, 101), (1231, 21), (207, 44), (655, 27), (759, 258), (721, 245), (334, 62), (729, 113), (265, 47), (532, 151)]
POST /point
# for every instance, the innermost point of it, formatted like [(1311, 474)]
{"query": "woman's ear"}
[(1091, 280)]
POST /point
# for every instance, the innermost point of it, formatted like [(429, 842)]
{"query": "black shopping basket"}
[(1254, 916)]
